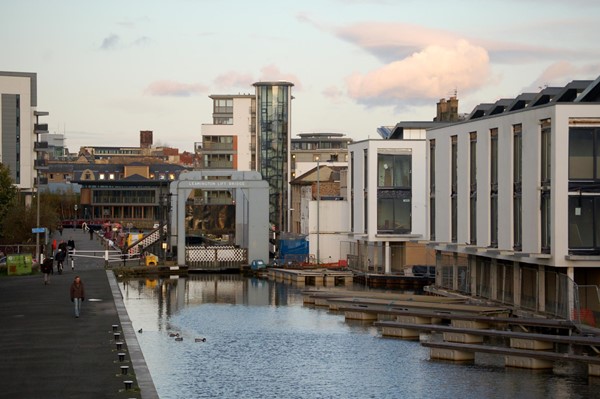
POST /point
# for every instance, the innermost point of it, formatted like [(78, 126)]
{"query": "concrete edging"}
[(143, 377)]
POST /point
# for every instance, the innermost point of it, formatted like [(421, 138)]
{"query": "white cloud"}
[(428, 74)]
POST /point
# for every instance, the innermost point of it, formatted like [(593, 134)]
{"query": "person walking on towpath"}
[(47, 268), (77, 294)]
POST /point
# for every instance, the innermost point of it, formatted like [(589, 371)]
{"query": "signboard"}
[(19, 264), (37, 230)]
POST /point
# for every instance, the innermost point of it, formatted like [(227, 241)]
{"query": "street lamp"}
[(290, 220), (75, 218), (318, 208)]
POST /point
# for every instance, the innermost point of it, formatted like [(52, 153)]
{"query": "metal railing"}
[(215, 257)]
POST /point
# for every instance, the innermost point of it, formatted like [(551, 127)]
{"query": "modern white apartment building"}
[(388, 202), (18, 128), (229, 142), (514, 200)]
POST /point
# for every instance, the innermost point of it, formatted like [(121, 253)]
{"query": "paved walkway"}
[(45, 352)]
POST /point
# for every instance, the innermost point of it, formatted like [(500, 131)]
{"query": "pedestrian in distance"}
[(60, 229), (47, 268), (77, 294), (61, 255)]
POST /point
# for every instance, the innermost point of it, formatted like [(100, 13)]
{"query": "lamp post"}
[(75, 218), (318, 208), (38, 254), (290, 220)]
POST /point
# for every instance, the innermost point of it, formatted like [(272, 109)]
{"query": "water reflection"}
[(261, 342), (165, 296)]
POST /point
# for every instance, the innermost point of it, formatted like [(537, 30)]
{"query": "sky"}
[(108, 69)]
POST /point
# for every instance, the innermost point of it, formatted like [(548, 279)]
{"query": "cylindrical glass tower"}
[(273, 143)]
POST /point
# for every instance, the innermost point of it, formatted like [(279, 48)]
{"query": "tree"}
[(23, 218), (17, 219), (8, 196), (8, 191)]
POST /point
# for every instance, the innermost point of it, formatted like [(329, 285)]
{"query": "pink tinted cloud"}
[(392, 34), (174, 89), (234, 79), (427, 74), (391, 41), (333, 93), (562, 72)]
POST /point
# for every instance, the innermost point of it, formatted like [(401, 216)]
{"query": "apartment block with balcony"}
[(20, 149), (230, 141), (330, 148), (388, 205), (514, 201)]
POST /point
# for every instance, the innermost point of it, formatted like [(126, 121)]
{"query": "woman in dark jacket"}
[(47, 268), (77, 294)]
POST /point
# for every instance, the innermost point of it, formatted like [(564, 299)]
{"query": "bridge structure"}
[(250, 196)]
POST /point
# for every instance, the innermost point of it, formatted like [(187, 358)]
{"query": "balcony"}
[(219, 165), (41, 164), (208, 146), (40, 146), (41, 181), (41, 128)]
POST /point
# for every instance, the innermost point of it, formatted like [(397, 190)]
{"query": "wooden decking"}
[(467, 329), (315, 277)]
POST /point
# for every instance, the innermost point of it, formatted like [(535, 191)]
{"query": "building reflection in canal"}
[(170, 294)]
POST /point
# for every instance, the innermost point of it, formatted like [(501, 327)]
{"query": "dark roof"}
[(520, 102), (574, 92), (591, 93), (398, 130), (60, 168)]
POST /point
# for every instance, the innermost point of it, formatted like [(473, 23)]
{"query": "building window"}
[(473, 189), (584, 154), (432, 190), (223, 120), (584, 200), (393, 214), (454, 188), (223, 106), (545, 192), (394, 193), (584, 224), (494, 188), (517, 187), (394, 170), (102, 176), (111, 176)]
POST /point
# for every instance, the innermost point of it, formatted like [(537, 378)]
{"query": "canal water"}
[(262, 342)]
